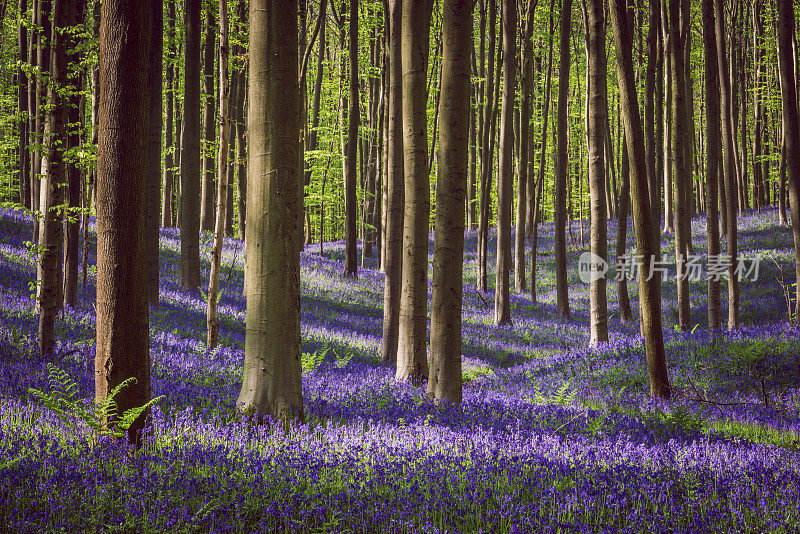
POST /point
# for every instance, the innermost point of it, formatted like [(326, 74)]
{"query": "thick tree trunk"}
[(595, 140), (445, 374), (209, 123), (351, 169), (271, 386), (190, 156), (154, 150), (729, 169), (54, 182), (562, 162), (395, 191), (787, 63), (412, 360), (505, 179), (212, 322), (123, 349), (649, 290), (713, 154)]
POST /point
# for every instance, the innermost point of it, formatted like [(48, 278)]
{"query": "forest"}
[(399, 266)]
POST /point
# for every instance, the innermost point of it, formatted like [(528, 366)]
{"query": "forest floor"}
[(550, 436)]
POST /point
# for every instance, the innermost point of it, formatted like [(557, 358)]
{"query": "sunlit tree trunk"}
[(271, 385), (445, 374), (412, 360)]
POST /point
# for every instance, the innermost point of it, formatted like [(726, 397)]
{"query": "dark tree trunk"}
[(350, 200), (190, 151), (154, 150), (209, 123), (649, 290), (167, 219), (123, 349), (486, 153)]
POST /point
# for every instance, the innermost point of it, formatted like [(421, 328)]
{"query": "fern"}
[(63, 401)]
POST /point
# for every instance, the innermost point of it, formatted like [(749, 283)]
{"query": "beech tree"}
[(395, 190), (122, 347), (445, 379), (271, 385), (190, 151), (561, 166), (649, 290), (154, 149), (209, 104), (351, 165), (505, 180), (412, 360)]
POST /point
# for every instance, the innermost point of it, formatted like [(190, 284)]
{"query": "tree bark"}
[(713, 153), (190, 151), (351, 169), (212, 321), (562, 164), (412, 361), (445, 380), (154, 150), (167, 219), (395, 190), (123, 349), (24, 111), (729, 169), (271, 386), (209, 123), (595, 140), (787, 63), (649, 290), (505, 180)]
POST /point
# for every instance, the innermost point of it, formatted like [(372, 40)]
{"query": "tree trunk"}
[(154, 150), (395, 190), (43, 62), (505, 179), (271, 386), (562, 289), (123, 349), (190, 151), (351, 169), (412, 361), (210, 124), (50, 268), (24, 111), (760, 179), (445, 374), (787, 62), (542, 155), (651, 100), (212, 322), (167, 219), (649, 289), (713, 154), (625, 314), (486, 153), (241, 129), (729, 169), (595, 141)]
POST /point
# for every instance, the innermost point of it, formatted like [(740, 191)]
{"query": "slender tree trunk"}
[(759, 178), (787, 63), (210, 124), (351, 169), (43, 62), (395, 190), (542, 155), (651, 100), (782, 179), (169, 155), (562, 164), (123, 349), (271, 386), (190, 156), (505, 180), (625, 314), (50, 268), (241, 129), (212, 322), (445, 374), (486, 154), (412, 361), (595, 141), (729, 168), (649, 289), (713, 154), (24, 111), (72, 226)]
